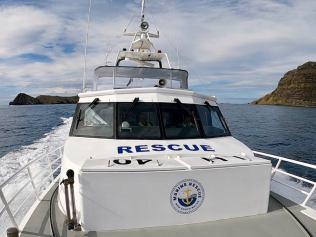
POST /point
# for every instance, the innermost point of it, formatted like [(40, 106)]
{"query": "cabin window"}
[(144, 120), (211, 121), (179, 121), (138, 121), (94, 120)]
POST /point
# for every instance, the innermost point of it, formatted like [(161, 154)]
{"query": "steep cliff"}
[(24, 99), (47, 99), (296, 88)]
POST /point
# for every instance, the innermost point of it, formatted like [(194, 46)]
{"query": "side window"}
[(95, 121), (138, 121), (216, 122), (211, 121)]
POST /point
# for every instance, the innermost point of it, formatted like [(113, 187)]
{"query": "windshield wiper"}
[(90, 106), (207, 104), (135, 101), (129, 82), (182, 106)]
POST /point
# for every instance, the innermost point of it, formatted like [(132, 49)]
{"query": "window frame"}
[(75, 119), (198, 124), (162, 128), (155, 104), (221, 120)]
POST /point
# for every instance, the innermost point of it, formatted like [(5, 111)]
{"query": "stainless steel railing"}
[(38, 174), (299, 188)]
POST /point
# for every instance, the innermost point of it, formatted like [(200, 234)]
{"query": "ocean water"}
[(279, 130), (27, 132), (22, 125)]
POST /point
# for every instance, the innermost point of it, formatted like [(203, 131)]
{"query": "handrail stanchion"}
[(33, 183), (275, 168), (309, 195), (7, 208), (50, 167)]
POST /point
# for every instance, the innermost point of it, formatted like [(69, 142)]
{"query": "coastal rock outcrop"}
[(24, 99), (296, 88), (47, 99)]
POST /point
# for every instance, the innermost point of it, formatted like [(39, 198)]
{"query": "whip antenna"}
[(142, 11), (85, 50)]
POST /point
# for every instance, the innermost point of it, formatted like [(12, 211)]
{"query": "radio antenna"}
[(142, 11), (84, 79)]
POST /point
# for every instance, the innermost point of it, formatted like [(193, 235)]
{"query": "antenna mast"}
[(142, 50), (142, 11), (84, 79)]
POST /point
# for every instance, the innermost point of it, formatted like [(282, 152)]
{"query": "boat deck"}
[(277, 222)]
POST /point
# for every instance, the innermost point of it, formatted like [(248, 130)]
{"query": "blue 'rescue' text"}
[(159, 147)]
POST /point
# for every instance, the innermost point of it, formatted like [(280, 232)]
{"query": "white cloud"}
[(243, 44), (25, 29)]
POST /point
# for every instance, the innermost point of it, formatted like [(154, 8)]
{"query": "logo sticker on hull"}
[(187, 196)]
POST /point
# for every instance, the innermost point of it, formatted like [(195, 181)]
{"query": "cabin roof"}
[(150, 94)]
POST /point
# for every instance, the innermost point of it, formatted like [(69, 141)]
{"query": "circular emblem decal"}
[(187, 196)]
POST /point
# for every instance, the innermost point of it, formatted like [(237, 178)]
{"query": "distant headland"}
[(296, 88), (24, 99)]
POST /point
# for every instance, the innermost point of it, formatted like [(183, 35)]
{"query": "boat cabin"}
[(146, 151), (158, 144)]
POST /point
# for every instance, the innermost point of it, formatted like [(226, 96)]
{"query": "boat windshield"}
[(149, 121), (96, 121), (126, 76)]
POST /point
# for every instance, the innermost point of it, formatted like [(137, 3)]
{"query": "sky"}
[(236, 50)]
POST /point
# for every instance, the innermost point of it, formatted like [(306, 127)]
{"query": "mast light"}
[(144, 25)]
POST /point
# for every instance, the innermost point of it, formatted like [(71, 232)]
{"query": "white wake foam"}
[(14, 161)]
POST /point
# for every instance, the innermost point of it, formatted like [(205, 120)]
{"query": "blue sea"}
[(27, 131), (23, 125)]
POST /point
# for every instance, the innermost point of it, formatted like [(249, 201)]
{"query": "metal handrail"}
[(287, 160), (295, 176), (287, 185), (36, 188), (25, 166), (295, 162)]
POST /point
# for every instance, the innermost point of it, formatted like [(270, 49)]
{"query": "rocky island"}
[(296, 88), (24, 99)]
